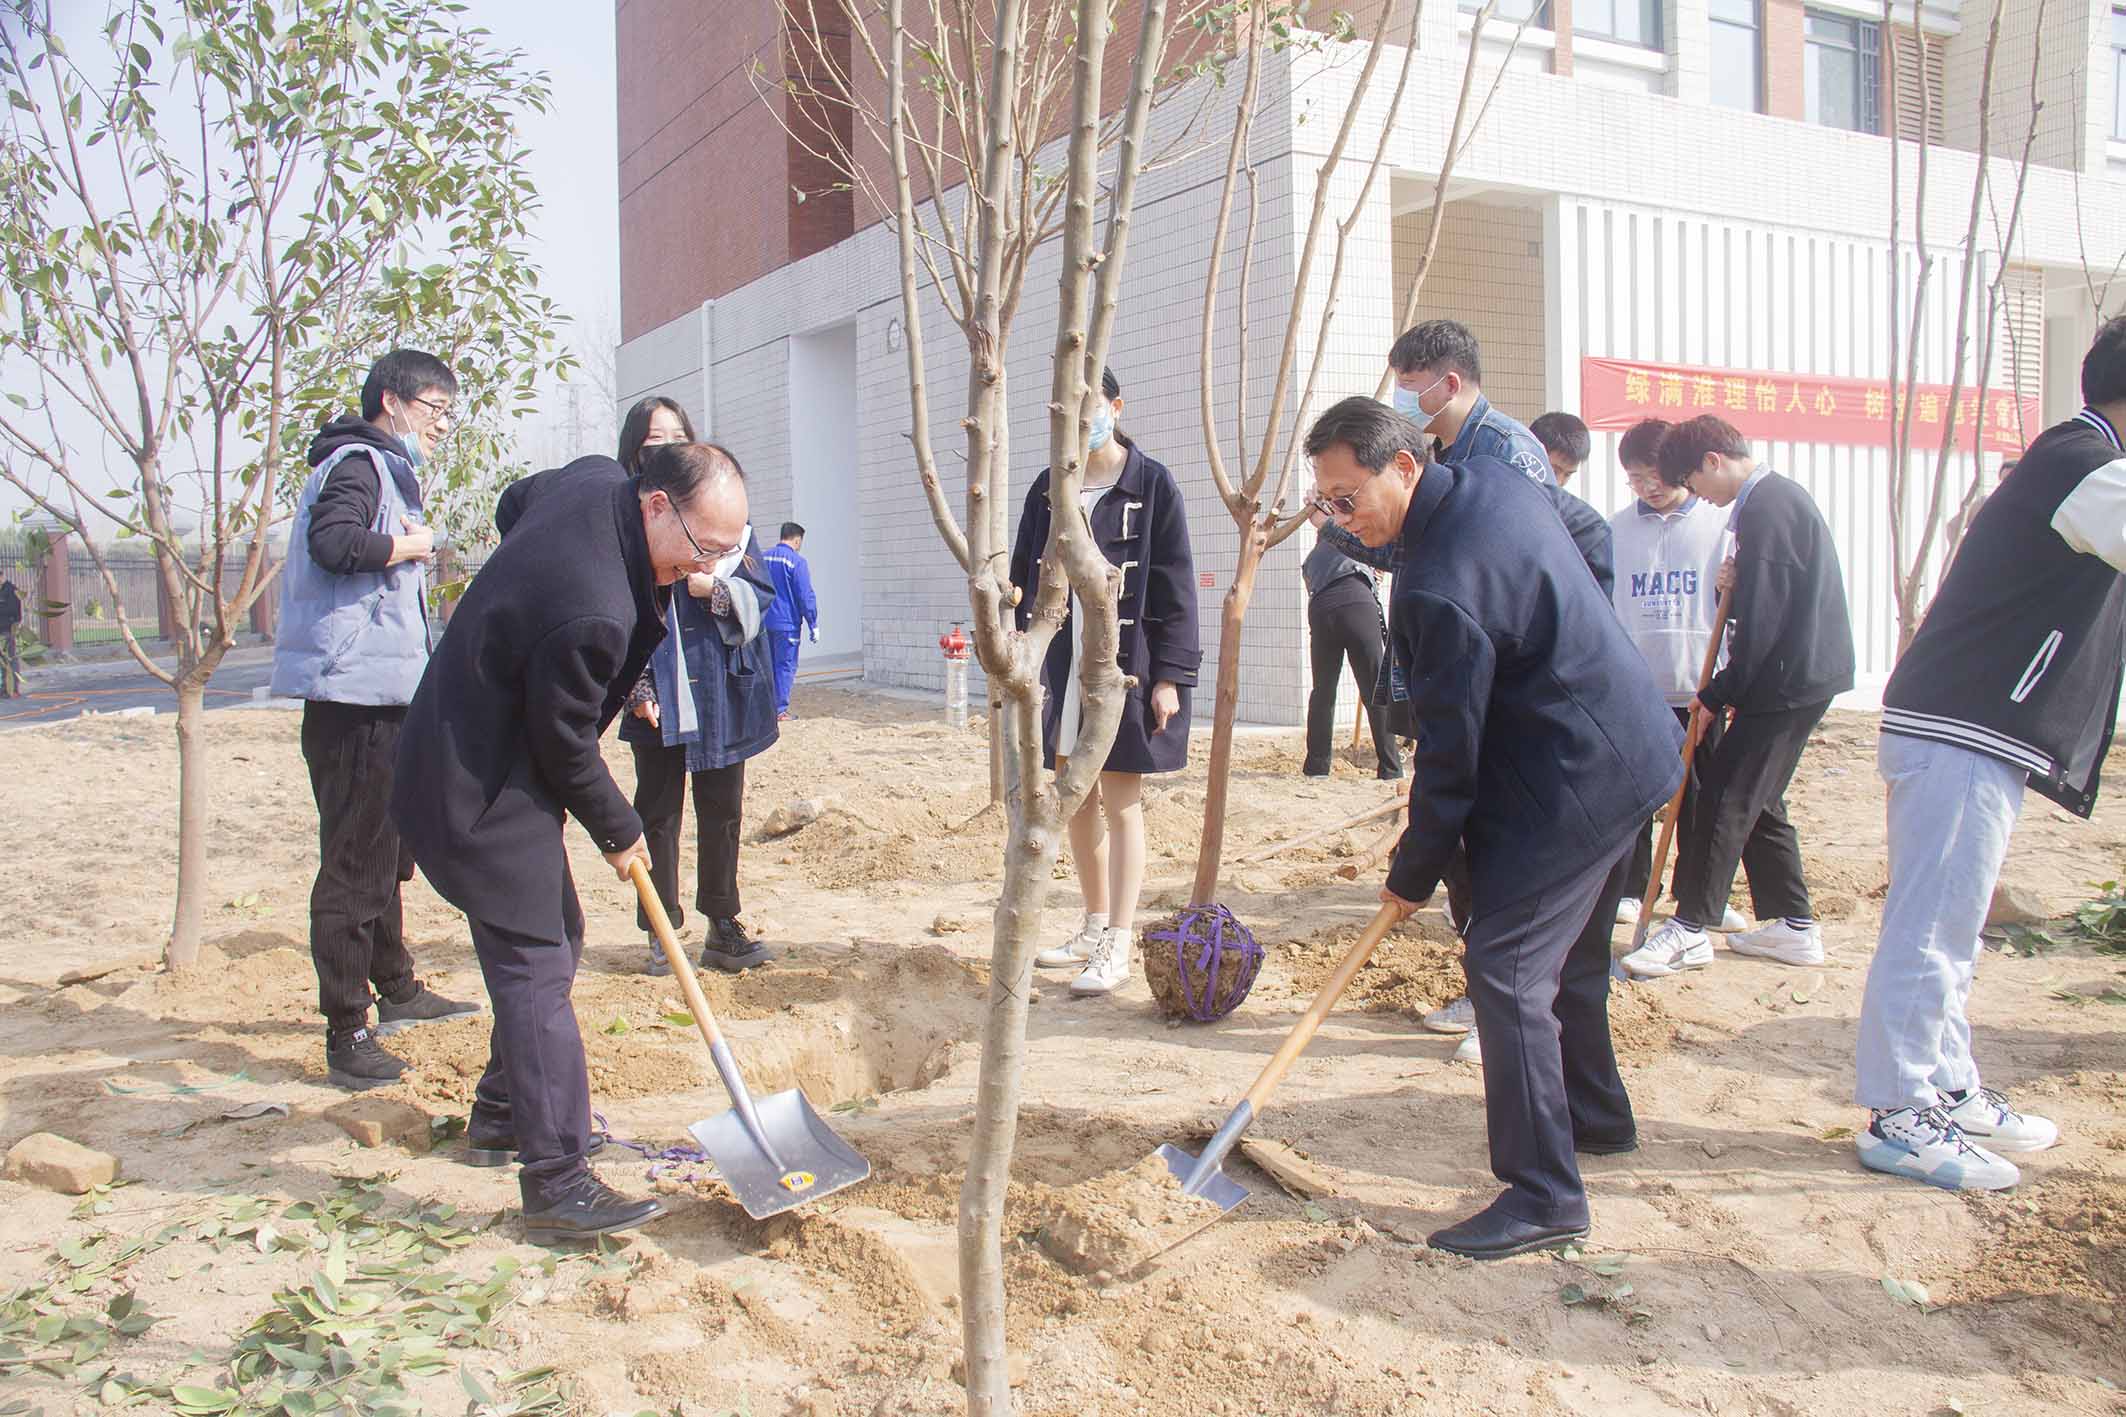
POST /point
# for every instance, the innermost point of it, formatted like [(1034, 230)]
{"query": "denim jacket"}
[(1488, 433)]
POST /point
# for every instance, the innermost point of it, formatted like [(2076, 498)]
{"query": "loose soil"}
[(1754, 1245)]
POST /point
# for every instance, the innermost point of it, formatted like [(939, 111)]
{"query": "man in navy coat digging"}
[(1543, 746), (501, 746)]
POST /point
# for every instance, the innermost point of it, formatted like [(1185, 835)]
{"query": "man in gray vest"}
[(354, 638)]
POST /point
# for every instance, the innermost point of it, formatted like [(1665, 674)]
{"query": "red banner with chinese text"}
[(1798, 408)]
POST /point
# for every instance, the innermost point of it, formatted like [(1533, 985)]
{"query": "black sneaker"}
[(586, 1207), (423, 1005), (730, 949), (356, 1061)]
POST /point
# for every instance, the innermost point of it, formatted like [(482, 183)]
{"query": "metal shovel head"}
[(802, 1158), (1218, 1188)]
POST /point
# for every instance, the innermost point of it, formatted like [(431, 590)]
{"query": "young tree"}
[(1261, 519), (206, 234), (1929, 511), (991, 82)]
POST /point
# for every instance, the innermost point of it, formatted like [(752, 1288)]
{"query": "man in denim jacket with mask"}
[(1438, 379)]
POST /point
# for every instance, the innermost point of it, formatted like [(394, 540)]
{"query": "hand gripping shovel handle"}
[(1675, 803), (698, 1005), (1295, 1043)]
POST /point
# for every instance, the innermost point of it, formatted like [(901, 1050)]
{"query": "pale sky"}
[(572, 154)]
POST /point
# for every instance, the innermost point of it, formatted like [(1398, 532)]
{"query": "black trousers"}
[(357, 931), (719, 805), (1741, 820), (536, 1087), (1541, 992), (1640, 881), (1347, 629)]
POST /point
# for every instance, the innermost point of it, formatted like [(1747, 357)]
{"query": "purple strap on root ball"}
[(1209, 932)]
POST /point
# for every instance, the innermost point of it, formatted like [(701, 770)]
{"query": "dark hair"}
[(2104, 366), (790, 529), (1441, 345), (682, 470), (1683, 449), (1373, 432), (1561, 433), (1111, 389), (405, 374), (635, 428), (1641, 444)]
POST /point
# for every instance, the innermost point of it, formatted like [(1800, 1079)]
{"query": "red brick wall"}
[(1784, 46)]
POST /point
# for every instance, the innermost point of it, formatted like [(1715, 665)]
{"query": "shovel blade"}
[(1218, 1188), (801, 1161)]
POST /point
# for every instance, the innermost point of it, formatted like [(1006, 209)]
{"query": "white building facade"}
[(1609, 208)]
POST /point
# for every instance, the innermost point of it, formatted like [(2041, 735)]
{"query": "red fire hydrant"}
[(955, 646)]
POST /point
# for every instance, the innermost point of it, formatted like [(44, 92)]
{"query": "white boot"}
[(1108, 968), (1074, 951)]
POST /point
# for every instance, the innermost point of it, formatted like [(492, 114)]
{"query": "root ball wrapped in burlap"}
[(1200, 963)]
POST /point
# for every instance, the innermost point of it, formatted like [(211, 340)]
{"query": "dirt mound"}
[(1114, 1223), (1417, 968), (2061, 1241), (896, 838)]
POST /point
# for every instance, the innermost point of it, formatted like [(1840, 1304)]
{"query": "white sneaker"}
[(1107, 969), (1924, 1145), (1775, 939), (1073, 952), (1669, 950), (1733, 921), (1458, 1016), (1628, 910), (1985, 1116), (1470, 1050)]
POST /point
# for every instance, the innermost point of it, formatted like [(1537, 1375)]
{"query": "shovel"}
[(1200, 1175), (775, 1154)]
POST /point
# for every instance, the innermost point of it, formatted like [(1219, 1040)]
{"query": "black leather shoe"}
[(1313, 770), (730, 949), (356, 1061), (423, 1005), (586, 1207), (1491, 1234), (1600, 1146)]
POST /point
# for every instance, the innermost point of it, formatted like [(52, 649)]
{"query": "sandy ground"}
[(1753, 1244)]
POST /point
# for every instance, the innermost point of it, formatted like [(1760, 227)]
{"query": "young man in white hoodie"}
[(1668, 547)]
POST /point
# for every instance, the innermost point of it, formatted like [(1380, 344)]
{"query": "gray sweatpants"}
[(1951, 814)]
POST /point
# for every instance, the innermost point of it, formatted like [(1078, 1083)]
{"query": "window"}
[(1738, 54), (1515, 11), (2118, 72), (1625, 21), (1842, 72)]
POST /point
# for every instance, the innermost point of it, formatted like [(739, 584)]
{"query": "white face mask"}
[(1411, 405)]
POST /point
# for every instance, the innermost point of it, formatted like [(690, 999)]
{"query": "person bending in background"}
[(1344, 623), (1565, 443), (704, 704)]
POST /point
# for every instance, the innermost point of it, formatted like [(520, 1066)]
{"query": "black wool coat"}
[(1141, 525), (1541, 740), (501, 740)]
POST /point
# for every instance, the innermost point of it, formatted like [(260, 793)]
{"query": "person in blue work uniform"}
[(795, 606), (1542, 747), (703, 705)]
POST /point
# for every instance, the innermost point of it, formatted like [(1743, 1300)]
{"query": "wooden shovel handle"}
[(682, 967), (1295, 1043), (1675, 803)]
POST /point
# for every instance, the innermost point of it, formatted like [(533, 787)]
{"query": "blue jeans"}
[(782, 646), (1951, 814)]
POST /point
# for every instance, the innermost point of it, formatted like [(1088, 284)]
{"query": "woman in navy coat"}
[(1140, 523), (704, 705)]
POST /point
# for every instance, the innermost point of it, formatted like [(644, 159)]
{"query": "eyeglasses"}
[(702, 555), (440, 408), (1336, 506)]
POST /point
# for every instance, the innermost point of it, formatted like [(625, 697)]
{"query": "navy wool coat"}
[(733, 684), (500, 743), (1140, 525), (1541, 739)]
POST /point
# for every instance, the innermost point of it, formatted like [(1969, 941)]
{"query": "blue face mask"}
[(1407, 403), (412, 445), (1103, 428)]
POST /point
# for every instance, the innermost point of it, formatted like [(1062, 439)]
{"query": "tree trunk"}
[(185, 927), (1235, 613), (1029, 863)]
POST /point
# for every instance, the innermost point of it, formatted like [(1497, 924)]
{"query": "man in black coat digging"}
[(501, 742), (1543, 746)]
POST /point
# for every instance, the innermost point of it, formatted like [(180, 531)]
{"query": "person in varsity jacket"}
[(2012, 681)]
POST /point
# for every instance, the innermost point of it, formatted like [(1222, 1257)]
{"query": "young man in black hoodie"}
[(1790, 652), (353, 640), (2012, 681)]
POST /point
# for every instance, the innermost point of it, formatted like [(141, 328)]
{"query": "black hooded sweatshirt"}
[(342, 535)]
